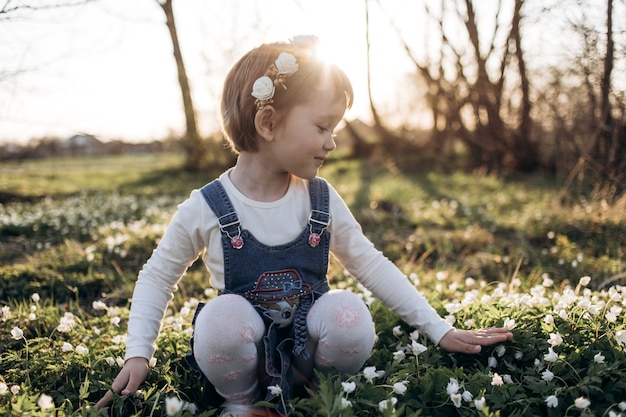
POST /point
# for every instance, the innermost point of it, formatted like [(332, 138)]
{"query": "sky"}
[(107, 68)]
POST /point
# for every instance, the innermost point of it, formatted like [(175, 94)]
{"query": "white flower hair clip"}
[(285, 65)]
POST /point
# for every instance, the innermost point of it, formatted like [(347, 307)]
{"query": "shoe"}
[(248, 411)]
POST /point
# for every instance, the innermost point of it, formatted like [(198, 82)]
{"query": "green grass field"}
[(142, 174), (484, 250)]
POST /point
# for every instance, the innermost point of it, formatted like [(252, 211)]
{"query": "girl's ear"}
[(265, 121)]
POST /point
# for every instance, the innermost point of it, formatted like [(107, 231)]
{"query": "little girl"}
[(265, 229)]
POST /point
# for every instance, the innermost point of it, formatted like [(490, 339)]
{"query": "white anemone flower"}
[(400, 387), (453, 386), (173, 405), (582, 403), (497, 380), (45, 402), (17, 333), (348, 387), (552, 401), (551, 356), (275, 390)]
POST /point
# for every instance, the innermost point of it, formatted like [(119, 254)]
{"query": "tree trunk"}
[(613, 132), (196, 150), (361, 149), (606, 122), (526, 150), (386, 137)]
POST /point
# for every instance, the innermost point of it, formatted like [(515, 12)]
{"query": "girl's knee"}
[(228, 323), (227, 335), (230, 314), (341, 328), (341, 310)]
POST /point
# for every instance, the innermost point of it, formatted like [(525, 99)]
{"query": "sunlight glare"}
[(329, 51)]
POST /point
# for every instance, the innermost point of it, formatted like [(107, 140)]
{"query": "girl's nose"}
[(330, 144)]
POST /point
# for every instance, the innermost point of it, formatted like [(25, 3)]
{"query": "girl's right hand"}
[(129, 379)]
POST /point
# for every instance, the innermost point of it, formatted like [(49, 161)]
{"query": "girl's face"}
[(304, 138)]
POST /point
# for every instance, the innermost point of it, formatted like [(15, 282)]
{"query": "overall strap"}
[(216, 197), (319, 219)]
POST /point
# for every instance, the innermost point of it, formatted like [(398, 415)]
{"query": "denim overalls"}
[(281, 282)]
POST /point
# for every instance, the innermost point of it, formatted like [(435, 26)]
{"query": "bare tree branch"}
[(9, 9)]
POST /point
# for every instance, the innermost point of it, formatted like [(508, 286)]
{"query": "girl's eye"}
[(322, 129)]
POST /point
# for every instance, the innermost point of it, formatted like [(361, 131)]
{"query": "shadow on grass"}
[(170, 181)]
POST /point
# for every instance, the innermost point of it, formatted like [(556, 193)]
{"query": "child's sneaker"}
[(239, 410)]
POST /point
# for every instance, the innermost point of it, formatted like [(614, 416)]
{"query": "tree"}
[(471, 81), (592, 123), (610, 146), (386, 136), (195, 148)]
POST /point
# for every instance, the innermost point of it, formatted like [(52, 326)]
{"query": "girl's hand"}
[(471, 341), (133, 373)]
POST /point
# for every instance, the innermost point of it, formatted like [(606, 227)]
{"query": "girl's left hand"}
[(472, 341)]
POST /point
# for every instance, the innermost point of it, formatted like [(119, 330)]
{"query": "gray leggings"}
[(229, 332)]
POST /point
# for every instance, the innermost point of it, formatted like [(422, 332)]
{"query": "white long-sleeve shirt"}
[(194, 232)]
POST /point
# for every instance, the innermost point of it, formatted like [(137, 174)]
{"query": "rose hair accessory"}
[(285, 65)]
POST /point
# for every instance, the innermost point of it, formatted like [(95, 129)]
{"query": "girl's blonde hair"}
[(238, 107)]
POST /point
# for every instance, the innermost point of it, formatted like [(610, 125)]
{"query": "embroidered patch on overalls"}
[(279, 293)]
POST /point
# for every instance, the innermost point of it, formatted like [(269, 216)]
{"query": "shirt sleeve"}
[(179, 247), (378, 274)]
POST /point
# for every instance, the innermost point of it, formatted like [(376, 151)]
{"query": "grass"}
[(142, 174), (482, 249)]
